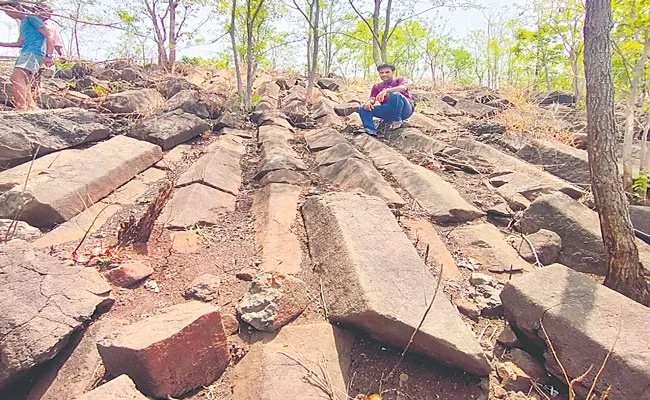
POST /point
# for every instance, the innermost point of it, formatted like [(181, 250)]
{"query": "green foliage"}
[(640, 185), (67, 64), (221, 61), (100, 90)]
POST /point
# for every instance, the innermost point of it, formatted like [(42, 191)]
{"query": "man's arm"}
[(17, 44), (402, 87), (368, 105), (49, 45)]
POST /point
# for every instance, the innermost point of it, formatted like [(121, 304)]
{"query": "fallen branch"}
[(537, 262), (14, 222)]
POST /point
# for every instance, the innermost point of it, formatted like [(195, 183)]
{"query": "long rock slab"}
[(196, 204), (525, 179), (436, 196), (136, 101), (354, 174), (559, 159), (24, 134), (218, 169), (275, 210), (579, 228), (42, 302), (584, 320), (75, 183), (488, 245), (323, 138), (268, 373), (374, 279)]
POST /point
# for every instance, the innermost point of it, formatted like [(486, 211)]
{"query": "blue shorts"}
[(30, 62)]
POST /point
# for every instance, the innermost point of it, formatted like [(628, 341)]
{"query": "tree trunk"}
[(159, 39), (235, 53), (173, 4), (315, 16), (624, 268), (384, 37), (629, 116), (575, 70), (375, 32)]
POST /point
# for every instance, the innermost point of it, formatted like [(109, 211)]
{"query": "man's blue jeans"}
[(397, 108)]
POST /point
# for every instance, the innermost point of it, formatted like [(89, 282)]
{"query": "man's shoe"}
[(395, 125), (371, 132)]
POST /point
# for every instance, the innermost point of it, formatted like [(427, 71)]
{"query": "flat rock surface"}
[(527, 175), (375, 280), (340, 152), (275, 211), (120, 388), (434, 194), (487, 244), (171, 129), (18, 230), (218, 169), (560, 159), (196, 204), (276, 156), (584, 320), (355, 174), (138, 101), (57, 192), (74, 371), (42, 302), (24, 133), (178, 349), (267, 373), (322, 139)]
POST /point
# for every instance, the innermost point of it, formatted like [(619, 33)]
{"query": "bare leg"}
[(22, 89), (34, 92)]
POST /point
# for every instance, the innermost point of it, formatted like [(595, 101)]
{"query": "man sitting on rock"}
[(36, 47), (393, 95)]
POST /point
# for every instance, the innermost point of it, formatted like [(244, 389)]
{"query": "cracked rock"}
[(42, 302), (273, 301), (204, 287)]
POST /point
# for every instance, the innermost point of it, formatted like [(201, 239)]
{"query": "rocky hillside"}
[(157, 243)]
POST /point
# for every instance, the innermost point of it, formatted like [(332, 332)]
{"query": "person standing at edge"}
[(393, 95), (33, 37)]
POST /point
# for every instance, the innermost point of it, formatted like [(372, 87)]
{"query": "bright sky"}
[(458, 22)]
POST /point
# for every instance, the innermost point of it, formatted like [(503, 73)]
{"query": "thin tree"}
[(235, 53), (624, 269)]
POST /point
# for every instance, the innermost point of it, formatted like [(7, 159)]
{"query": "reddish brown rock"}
[(230, 324), (177, 350), (468, 309), (129, 273)]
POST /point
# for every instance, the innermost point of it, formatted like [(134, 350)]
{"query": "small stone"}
[(499, 392), (468, 309), (479, 279), (529, 365), (128, 274), (273, 301), (204, 287), (547, 244), (512, 377), (247, 274), (230, 324), (120, 388), (508, 338)]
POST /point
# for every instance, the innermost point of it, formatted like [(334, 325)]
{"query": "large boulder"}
[(64, 184), (24, 133), (374, 279), (173, 85), (180, 348), (188, 101), (555, 97), (170, 129), (136, 101), (42, 302), (584, 321)]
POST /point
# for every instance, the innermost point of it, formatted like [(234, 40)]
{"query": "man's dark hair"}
[(384, 66)]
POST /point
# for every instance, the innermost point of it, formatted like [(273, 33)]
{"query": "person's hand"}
[(48, 61), (382, 95), (369, 105)]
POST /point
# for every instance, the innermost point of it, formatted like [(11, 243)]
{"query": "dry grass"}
[(527, 118)]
